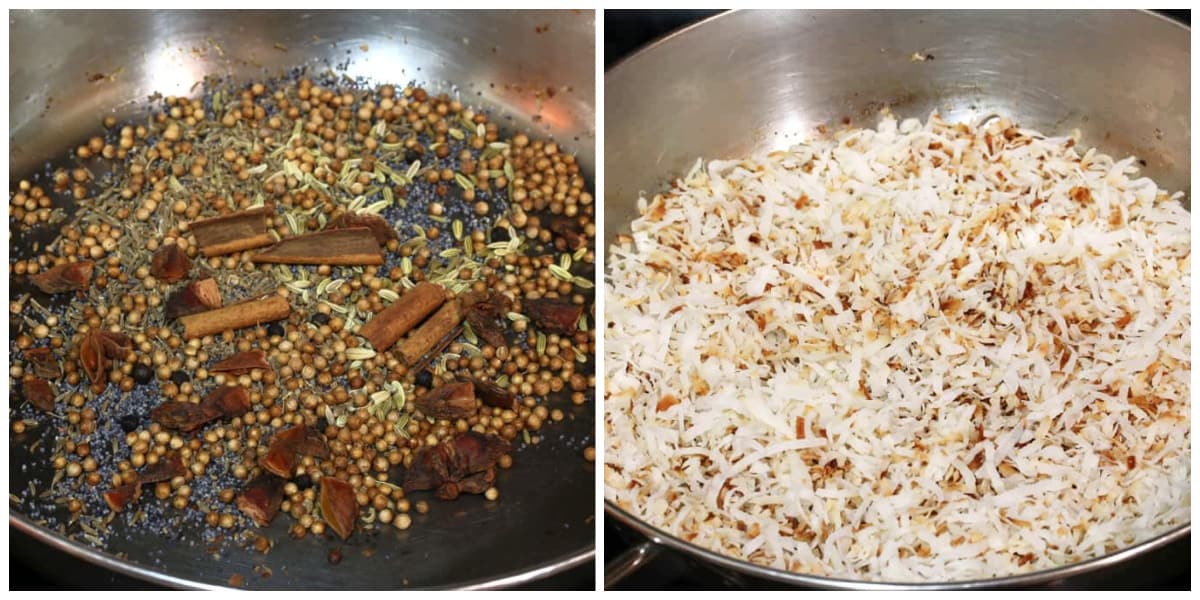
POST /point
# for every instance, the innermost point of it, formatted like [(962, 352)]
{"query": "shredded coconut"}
[(922, 352)]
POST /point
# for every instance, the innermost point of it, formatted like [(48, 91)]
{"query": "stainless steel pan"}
[(746, 81), (493, 59)]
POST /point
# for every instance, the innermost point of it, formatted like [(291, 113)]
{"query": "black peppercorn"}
[(500, 234), (129, 423), (142, 374), (303, 482), (180, 377), (411, 155), (275, 330), (319, 319), (424, 379)]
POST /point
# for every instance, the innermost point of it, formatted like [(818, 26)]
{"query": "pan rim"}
[(103, 558), (659, 537), (662, 538)]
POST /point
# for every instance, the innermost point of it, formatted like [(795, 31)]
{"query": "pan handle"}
[(628, 562)]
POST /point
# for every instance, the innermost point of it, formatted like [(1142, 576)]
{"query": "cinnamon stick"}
[(236, 232), (236, 316), (356, 246), (426, 337), (378, 225), (387, 327)]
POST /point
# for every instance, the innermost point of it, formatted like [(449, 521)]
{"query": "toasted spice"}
[(261, 498), (493, 395), (170, 263), (66, 277), (184, 416), (98, 349), (122, 496), (289, 445), (167, 468), (40, 394), (228, 401), (554, 315), (390, 324), (234, 232), (378, 225), (445, 466), (235, 316), (43, 362), (308, 386), (569, 230), (485, 315), (242, 362), (196, 297), (331, 247), (450, 401), (338, 506), (429, 335)]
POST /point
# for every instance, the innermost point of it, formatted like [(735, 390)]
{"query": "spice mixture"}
[(304, 295)]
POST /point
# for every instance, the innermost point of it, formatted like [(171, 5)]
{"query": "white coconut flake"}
[(921, 352)]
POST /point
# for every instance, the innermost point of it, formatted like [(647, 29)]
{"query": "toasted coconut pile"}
[(924, 352)]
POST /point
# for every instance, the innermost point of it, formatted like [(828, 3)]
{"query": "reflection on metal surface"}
[(629, 561)]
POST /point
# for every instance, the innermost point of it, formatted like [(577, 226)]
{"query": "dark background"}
[(626, 31)]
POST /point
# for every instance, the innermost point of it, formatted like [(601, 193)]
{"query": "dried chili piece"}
[(167, 468), (450, 401), (261, 498), (66, 277), (183, 416), (114, 345), (455, 462), (485, 313), (447, 491), (473, 452), (242, 362), (197, 297), (569, 230), (428, 469), (289, 445), (494, 395), (43, 363), (339, 507), (91, 359), (170, 263), (39, 393), (553, 315), (121, 496), (228, 401), (477, 483), (96, 351)]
